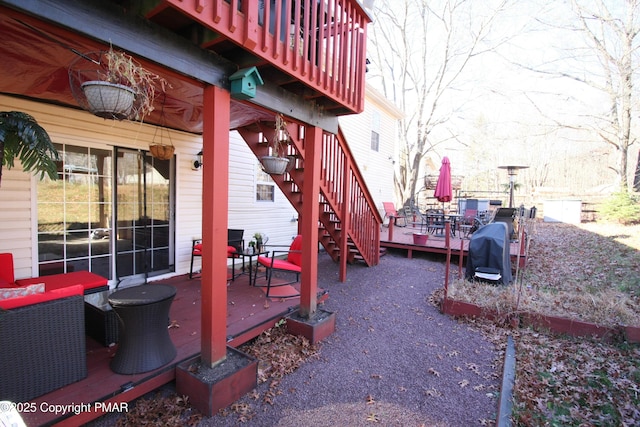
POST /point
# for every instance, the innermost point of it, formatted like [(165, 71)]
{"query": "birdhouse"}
[(244, 83)]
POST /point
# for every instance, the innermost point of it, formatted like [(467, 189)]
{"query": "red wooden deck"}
[(402, 238), (249, 314)]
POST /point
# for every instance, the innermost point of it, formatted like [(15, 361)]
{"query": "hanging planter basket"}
[(113, 85), (162, 152), (108, 100), (274, 165)]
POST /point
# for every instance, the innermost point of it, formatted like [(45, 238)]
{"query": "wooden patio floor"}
[(402, 238), (249, 314)]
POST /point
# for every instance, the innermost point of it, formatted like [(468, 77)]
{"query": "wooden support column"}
[(215, 200), (309, 222)]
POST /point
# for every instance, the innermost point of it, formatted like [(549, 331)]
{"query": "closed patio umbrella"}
[(443, 187)]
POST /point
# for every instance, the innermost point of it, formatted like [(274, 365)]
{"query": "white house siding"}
[(270, 218), (15, 218), (18, 218), (376, 166)]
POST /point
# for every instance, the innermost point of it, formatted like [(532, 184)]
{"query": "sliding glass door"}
[(111, 211), (143, 215)]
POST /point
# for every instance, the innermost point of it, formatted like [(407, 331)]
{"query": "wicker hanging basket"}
[(162, 152)]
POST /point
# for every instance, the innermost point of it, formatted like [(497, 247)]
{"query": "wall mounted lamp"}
[(197, 163)]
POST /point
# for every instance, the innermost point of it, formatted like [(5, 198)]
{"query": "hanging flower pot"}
[(112, 84), (274, 165), (108, 100), (278, 161), (162, 152)]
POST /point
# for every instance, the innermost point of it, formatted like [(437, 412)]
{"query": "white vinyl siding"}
[(376, 165)]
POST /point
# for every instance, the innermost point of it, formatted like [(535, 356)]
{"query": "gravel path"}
[(394, 360)]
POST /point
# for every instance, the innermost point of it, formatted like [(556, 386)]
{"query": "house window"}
[(375, 130), (375, 141), (265, 187)]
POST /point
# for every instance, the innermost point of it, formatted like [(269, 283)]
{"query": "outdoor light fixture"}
[(197, 164), (512, 171)]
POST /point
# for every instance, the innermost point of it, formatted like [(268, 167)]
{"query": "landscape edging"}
[(554, 324)]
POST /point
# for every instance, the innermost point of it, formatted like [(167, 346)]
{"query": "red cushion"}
[(5, 284), (279, 264), (68, 291), (6, 267), (197, 250), (56, 281), (296, 257)]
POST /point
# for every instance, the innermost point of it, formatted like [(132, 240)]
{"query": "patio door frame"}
[(145, 231)]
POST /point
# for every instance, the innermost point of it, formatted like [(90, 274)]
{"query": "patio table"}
[(252, 267), (143, 314)]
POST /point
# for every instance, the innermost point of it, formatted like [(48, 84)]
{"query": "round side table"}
[(143, 313)]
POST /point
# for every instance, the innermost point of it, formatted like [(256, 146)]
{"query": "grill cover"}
[(489, 249)]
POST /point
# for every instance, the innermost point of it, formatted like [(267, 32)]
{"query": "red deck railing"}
[(344, 188), (319, 43), (347, 210)]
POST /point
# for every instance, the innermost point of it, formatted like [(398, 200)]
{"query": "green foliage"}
[(23, 138), (622, 207)]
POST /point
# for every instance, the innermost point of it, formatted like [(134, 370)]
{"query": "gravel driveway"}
[(394, 360)]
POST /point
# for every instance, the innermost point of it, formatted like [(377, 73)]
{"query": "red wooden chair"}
[(235, 246), (391, 212), (292, 264)]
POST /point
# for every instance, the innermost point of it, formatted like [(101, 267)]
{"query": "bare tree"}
[(605, 59), (419, 50)]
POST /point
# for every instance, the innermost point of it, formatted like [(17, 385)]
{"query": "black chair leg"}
[(191, 269)]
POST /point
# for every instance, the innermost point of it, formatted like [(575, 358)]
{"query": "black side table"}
[(143, 313), (101, 322), (251, 256)]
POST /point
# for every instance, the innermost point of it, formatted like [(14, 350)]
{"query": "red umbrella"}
[(443, 187)]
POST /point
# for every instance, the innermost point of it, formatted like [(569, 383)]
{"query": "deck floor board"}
[(247, 317)]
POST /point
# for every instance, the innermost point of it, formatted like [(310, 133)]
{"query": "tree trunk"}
[(636, 178)]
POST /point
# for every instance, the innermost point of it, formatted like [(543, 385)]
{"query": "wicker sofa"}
[(42, 343), (42, 330)]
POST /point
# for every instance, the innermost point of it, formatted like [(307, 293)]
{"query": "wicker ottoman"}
[(143, 313)]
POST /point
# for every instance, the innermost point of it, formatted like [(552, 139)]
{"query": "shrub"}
[(622, 207)]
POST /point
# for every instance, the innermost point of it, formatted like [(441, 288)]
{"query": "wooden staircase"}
[(348, 217)]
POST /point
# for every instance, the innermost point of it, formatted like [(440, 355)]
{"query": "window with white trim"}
[(265, 187), (375, 130)]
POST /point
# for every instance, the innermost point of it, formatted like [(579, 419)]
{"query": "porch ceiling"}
[(35, 61)]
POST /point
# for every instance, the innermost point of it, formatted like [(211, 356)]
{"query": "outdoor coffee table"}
[(143, 314)]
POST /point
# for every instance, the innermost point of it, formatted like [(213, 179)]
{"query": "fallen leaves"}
[(160, 410), (590, 273)]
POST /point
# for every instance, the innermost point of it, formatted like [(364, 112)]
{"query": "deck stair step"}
[(331, 231)]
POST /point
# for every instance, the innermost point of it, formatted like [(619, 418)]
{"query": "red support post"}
[(215, 189), (309, 221)]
